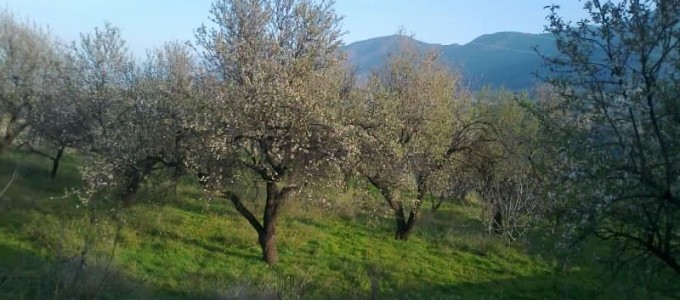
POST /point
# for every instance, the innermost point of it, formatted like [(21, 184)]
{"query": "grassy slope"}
[(186, 247)]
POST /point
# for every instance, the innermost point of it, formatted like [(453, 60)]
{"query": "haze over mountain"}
[(503, 59)]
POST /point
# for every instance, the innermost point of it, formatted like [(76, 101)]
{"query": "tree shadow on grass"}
[(34, 173), (545, 286), (201, 206), (26, 275), (213, 244), (542, 286), (225, 249)]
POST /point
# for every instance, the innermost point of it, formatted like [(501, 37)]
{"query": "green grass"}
[(180, 246)]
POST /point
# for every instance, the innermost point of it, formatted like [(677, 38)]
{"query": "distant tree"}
[(279, 78), (135, 117), (408, 123), (105, 74), (157, 126), (615, 131), (506, 180), (28, 69), (59, 122), (452, 183)]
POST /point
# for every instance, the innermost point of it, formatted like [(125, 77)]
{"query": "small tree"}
[(137, 118), (158, 123), (616, 163), (506, 180), (278, 70), (451, 183), (104, 71), (409, 122), (59, 121)]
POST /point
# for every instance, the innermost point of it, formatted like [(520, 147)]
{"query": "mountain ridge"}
[(502, 59)]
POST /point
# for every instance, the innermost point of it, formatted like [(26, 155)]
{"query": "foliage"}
[(136, 118), (268, 105), (278, 67), (503, 166), (28, 68), (614, 129), (408, 121)]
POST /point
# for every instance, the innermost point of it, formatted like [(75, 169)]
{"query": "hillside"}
[(504, 59), (182, 246)]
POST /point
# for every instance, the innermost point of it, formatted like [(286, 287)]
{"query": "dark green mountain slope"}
[(500, 59)]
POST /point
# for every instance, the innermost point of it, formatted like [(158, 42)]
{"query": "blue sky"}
[(147, 23)]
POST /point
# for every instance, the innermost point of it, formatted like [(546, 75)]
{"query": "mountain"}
[(504, 59), (370, 54)]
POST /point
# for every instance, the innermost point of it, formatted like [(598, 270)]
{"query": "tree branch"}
[(243, 211)]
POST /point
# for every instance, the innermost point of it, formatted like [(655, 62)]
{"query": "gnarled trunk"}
[(266, 231), (55, 162), (130, 193), (267, 237), (436, 203), (497, 219), (267, 240), (404, 226), (135, 178)]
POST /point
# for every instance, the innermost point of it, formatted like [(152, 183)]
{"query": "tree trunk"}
[(130, 193), (267, 240), (497, 221), (266, 231), (436, 203), (12, 130), (6, 141), (669, 260), (267, 237), (55, 162), (405, 227), (135, 179), (401, 233)]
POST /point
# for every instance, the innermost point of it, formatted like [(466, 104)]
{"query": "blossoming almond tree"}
[(136, 116), (616, 164), (28, 66), (279, 76), (408, 123)]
